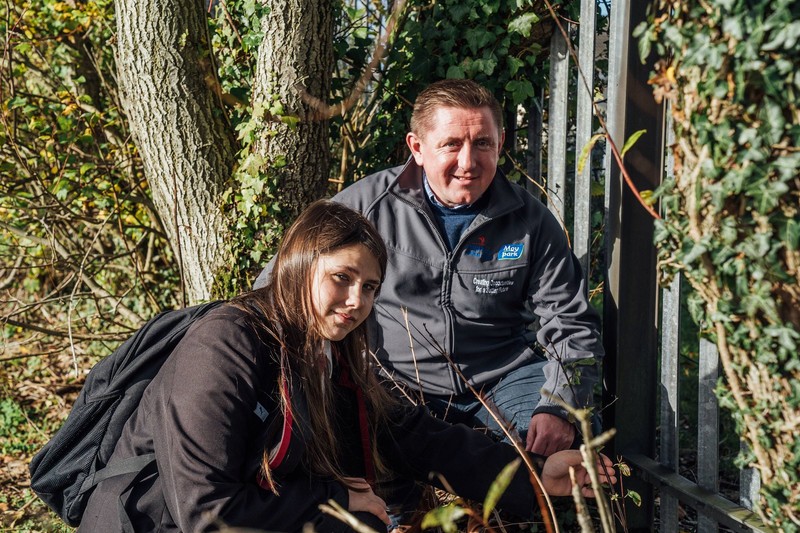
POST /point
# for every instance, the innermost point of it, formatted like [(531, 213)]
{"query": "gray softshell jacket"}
[(512, 268)]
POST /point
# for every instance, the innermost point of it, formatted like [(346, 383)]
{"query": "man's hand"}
[(548, 434), (555, 474)]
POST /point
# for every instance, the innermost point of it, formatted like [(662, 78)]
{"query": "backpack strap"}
[(117, 468), (148, 470)]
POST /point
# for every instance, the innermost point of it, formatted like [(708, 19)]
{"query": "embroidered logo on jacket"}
[(510, 251), (492, 286), (476, 249)]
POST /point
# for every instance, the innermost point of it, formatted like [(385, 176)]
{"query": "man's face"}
[(459, 153)]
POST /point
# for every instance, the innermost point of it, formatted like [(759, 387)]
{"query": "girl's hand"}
[(363, 499), (555, 474)]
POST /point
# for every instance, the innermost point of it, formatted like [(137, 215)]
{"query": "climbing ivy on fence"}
[(732, 222)]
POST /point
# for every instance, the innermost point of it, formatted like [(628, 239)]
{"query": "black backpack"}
[(74, 461)]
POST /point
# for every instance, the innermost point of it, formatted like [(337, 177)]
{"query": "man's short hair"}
[(463, 94)]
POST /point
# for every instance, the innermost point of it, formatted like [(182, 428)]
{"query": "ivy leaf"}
[(514, 65), (459, 11), (290, 120), (792, 235), (523, 24), (455, 72), (520, 90), (16, 102)]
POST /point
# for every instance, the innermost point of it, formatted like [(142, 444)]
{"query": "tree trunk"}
[(296, 56), (187, 147)]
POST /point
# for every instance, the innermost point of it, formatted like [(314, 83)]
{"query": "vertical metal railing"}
[(584, 120), (642, 322), (557, 126), (707, 429), (670, 396)]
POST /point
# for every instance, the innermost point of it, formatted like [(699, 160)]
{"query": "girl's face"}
[(343, 287)]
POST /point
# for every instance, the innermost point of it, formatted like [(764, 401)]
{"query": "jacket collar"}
[(408, 186)]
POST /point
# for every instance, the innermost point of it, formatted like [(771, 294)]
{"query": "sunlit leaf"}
[(523, 24), (631, 141), (499, 486), (444, 517), (587, 149)]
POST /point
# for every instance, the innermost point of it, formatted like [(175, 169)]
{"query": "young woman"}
[(269, 407)]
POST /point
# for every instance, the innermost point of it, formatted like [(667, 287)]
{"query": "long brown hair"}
[(284, 310)]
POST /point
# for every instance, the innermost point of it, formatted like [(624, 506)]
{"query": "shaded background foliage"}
[(78, 228), (731, 225)]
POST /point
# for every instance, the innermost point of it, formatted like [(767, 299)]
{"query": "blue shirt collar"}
[(435, 201)]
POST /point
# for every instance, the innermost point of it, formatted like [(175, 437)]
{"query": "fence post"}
[(670, 394), (582, 234), (629, 326), (707, 429), (557, 126)]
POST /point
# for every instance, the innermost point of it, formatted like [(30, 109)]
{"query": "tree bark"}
[(296, 56), (187, 147)]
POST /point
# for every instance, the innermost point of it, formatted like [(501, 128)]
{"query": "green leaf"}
[(635, 497), (87, 167), (645, 45), (499, 486), (631, 141), (279, 161), (587, 149), (17, 101), (455, 72), (520, 90), (792, 235), (290, 120), (523, 24), (23, 48), (647, 197), (443, 517), (514, 65)]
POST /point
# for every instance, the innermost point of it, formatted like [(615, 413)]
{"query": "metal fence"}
[(642, 323)]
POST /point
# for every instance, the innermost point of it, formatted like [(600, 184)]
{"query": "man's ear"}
[(502, 142), (415, 145)]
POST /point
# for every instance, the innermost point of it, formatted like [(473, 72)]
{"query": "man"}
[(474, 261)]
